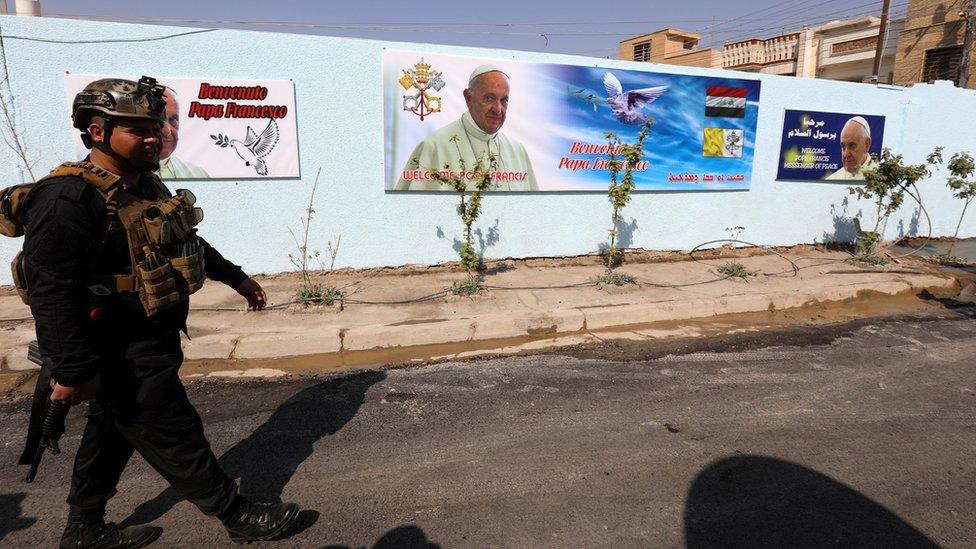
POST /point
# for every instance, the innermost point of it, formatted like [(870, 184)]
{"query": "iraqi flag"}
[(725, 102)]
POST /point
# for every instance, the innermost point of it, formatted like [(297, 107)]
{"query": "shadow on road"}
[(10, 510), (756, 501), (266, 460), (401, 537)]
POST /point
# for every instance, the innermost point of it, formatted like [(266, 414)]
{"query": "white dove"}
[(625, 104), (255, 147)]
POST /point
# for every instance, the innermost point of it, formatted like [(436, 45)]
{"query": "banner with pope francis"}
[(543, 126), (218, 128)]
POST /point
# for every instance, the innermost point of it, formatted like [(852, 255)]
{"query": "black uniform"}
[(143, 404)]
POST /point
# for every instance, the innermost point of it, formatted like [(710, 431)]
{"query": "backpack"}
[(12, 200)]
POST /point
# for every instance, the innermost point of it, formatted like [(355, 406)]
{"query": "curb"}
[(470, 336)]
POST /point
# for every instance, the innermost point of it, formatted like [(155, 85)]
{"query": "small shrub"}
[(615, 279), (874, 260), (867, 245), (732, 269), (310, 293), (468, 287), (961, 169), (887, 184), (316, 294), (950, 260)]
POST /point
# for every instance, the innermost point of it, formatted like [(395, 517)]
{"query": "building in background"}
[(839, 50), (670, 46), (776, 55), (930, 45)]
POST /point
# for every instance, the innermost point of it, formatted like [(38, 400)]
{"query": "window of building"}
[(689, 44), (942, 64), (642, 51)]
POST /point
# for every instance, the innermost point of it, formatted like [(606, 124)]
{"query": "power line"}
[(784, 6), (106, 40), (795, 20), (791, 23)]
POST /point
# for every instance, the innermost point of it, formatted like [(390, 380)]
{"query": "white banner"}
[(219, 128)]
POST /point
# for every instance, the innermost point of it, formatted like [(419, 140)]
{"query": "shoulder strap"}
[(101, 179)]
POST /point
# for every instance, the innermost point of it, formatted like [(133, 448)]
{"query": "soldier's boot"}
[(258, 521), (92, 532)]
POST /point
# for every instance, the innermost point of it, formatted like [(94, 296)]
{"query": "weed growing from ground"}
[(614, 278), (874, 260), (734, 270), (311, 293), (468, 287)]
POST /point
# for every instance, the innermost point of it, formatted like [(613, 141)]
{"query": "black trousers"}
[(143, 407)]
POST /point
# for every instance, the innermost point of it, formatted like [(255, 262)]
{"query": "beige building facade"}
[(930, 45), (672, 47), (839, 50)]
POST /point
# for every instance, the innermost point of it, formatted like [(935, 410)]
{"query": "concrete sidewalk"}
[(531, 304)]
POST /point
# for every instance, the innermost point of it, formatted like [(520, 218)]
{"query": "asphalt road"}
[(859, 434)]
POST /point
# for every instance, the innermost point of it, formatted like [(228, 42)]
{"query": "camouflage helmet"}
[(117, 97)]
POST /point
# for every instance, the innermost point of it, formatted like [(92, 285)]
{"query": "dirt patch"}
[(813, 324), (632, 256)]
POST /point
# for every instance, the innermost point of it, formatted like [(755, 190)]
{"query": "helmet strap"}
[(106, 147)]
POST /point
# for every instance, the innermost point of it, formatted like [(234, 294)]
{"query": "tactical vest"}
[(165, 253)]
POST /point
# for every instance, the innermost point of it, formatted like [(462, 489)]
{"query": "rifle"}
[(46, 424)]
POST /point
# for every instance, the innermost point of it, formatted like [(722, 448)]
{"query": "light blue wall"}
[(339, 106)]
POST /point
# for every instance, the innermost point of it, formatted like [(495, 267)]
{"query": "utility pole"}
[(967, 43), (879, 51)]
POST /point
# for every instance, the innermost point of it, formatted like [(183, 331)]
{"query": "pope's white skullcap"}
[(482, 70), (863, 123)]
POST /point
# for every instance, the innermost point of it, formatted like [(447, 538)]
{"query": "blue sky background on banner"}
[(675, 140)]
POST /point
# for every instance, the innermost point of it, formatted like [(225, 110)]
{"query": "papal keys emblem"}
[(421, 78)]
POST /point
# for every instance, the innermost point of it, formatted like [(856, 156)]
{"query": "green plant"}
[(868, 244), (870, 260), (317, 294), (615, 279), (309, 292), (331, 295), (469, 207), (469, 286), (622, 186), (950, 260), (887, 184), (963, 185), (732, 270)]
